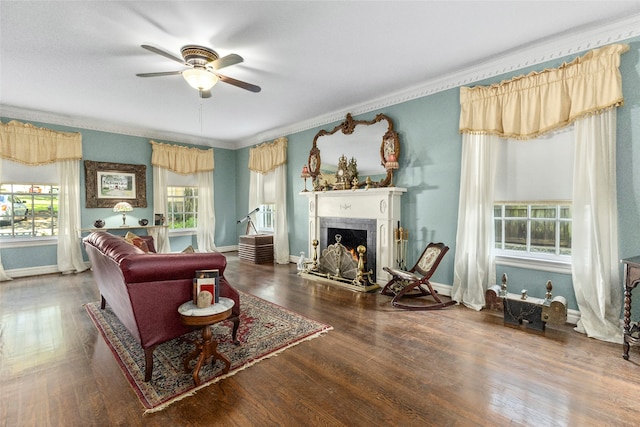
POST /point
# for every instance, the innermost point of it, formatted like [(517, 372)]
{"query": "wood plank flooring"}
[(379, 366)]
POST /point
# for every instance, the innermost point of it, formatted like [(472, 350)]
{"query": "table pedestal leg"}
[(205, 349)]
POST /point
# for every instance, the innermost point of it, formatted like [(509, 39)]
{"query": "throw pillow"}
[(188, 250), (136, 241)]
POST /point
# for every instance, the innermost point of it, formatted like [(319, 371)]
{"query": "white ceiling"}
[(75, 63)]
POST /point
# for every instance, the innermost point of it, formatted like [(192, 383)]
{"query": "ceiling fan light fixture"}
[(199, 78)]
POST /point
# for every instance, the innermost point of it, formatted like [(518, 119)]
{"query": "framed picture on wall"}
[(109, 183)]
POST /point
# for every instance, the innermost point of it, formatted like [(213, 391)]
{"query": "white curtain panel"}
[(256, 192), (474, 267), (160, 199), (595, 261), (257, 198), (3, 275), (281, 233), (206, 229), (69, 250)]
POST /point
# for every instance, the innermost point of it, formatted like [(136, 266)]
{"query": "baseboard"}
[(230, 248), (32, 271)]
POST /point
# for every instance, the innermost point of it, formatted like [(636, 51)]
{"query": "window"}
[(28, 210), (182, 209), (532, 205), (265, 218), (535, 230)]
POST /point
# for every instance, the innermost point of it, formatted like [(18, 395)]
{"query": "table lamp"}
[(305, 174), (123, 207)]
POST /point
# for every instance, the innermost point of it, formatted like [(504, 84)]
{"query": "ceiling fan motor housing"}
[(198, 55)]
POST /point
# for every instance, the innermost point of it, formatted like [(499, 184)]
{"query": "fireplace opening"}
[(350, 239), (354, 232)]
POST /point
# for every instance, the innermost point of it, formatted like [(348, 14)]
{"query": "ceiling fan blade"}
[(205, 93), (163, 53), (163, 73), (240, 84), (225, 61)]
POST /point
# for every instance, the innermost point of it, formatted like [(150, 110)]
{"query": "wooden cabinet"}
[(257, 248)]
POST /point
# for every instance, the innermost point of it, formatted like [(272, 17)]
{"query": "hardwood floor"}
[(379, 366)]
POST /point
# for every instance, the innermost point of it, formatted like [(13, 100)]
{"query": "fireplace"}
[(375, 211), (353, 233)]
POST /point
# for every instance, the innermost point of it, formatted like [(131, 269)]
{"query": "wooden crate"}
[(256, 248)]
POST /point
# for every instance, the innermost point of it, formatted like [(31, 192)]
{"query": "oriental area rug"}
[(266, 329)]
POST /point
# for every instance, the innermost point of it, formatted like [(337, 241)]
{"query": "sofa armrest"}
[(153, 267)]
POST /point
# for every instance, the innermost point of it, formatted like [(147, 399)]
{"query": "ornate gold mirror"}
[(364, 152)]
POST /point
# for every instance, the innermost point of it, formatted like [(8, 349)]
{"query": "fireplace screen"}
[(354, 233)]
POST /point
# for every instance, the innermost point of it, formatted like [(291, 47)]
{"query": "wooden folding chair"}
[(412, 283)]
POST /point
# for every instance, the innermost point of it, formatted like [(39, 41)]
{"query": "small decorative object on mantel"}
[(305, 174), (523, 294), (99, 223), (368, 183), (143, 222), (353, 170), (343, 180)]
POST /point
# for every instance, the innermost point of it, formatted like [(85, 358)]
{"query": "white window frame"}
[(181, 231), (23, 240), (265, 218), (526, 259)]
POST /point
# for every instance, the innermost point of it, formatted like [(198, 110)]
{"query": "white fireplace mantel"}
[(379, 204)]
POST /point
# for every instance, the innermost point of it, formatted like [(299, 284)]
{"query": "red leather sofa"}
[(144, 290)]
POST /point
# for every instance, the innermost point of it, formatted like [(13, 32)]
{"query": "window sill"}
[(182, 232), (30, 242), (551, 265)]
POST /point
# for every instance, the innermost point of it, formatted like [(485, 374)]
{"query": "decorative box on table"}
[(256, 248)]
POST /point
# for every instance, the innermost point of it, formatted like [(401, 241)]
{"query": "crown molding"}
[(552, 48), (18, 113)]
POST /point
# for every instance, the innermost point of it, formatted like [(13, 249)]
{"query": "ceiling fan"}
[(203, 64)]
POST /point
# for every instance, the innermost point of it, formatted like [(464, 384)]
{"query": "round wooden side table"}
[(206, 347)]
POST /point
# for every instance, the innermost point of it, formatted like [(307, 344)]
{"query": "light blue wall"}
[(430, 170), (117, 148)]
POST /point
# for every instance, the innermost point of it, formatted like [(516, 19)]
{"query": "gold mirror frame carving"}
[(390, 143)]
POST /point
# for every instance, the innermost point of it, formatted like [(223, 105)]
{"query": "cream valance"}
[(30, 145), (266, 157), (180, 159), (527, 106)]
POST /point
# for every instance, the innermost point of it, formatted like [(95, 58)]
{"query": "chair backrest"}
[(430, 258)]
